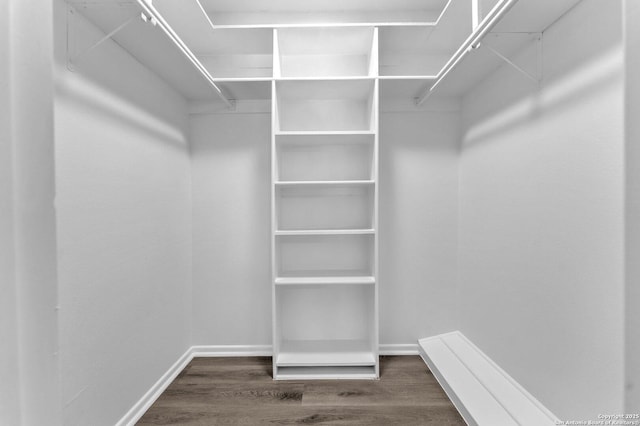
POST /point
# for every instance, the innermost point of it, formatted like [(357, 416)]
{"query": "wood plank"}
[(232, 394), (374, 416), (226, 369), (379, 393), (405, 369), (241, 391)]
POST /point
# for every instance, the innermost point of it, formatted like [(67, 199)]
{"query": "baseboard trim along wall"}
[(140, 407), (266, 350), (399, 349), (231, 350), (483, 393)]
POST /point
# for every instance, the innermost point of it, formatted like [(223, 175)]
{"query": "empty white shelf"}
[(330, 78), (323, 132), (306, 232), (342, 158), (326, 373), (285, 13), (336, 53), (358, 88), (327, 274), (323, 138), (333, 280), (297, 353), (325, 105), (424, 50), (224, 52), (325, 183)]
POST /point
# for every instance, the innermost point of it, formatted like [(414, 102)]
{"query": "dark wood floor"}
[(240, 391)]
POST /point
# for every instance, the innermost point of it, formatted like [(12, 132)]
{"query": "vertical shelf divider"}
[(274, 176), (376, 127)]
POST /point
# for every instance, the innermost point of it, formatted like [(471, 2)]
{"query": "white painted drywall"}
[(632, 126), (32, 287), (9, 361), (418, 221), (231, 165), (124, 235), (541, 217), (231, 223)]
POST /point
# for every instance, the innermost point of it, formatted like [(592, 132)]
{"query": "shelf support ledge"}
[(535, 78), (72, 60)]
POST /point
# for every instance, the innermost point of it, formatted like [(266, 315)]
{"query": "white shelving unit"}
[(324, 208), (222, 51)]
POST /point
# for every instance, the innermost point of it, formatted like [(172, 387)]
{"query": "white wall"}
[(231, 225), (231, 228), (27, 219), (124, 236), (632, 56), (9, 362), (541, 218), (418, 220)]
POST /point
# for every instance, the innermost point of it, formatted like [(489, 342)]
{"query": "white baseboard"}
[(483, 393), (266, 350), (141, 407), (399, 349), (231, 350)]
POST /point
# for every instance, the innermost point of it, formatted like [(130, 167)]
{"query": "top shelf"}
[(228, 53), (289, 13), (417, 51)]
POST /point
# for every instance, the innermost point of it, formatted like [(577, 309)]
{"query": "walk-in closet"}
[(355, 212)]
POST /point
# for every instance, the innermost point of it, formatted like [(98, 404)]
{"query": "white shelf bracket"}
[(471, 43), (149, 15), (535, 77), (72, 60)]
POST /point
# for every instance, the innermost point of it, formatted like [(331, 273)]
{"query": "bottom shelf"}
[(328, 373), (324, 353)]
